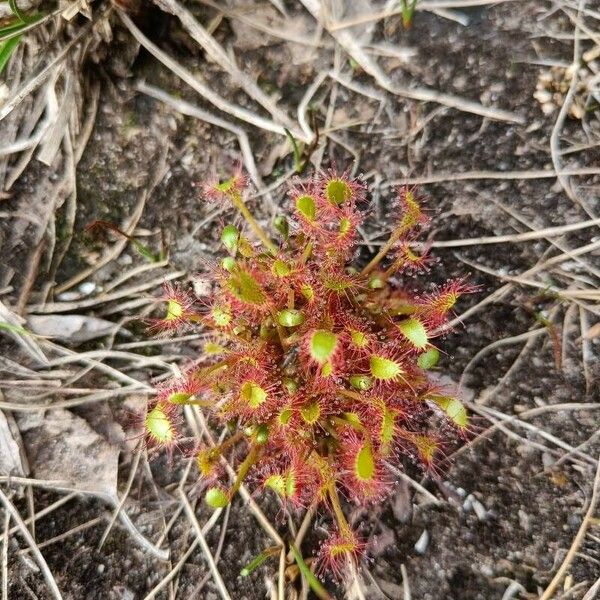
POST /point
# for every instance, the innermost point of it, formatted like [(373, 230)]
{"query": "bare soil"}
[(509, 512)]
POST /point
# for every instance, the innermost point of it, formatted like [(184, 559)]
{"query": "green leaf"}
[(179, 397), (280, 268), (415, 332), (284, 416), (6, 50), (307, 291), (359, 339), (276, 483), (338, 191), (221, 316), (387, 429), (216, 498), (144, 250), (453, 408), (429, 359), (15, 329), (384, 368), (311, 413), (353, 420), (229, 237), (253, 394), (159, 426), (365, 463), (307, 206), (290, 317), (282, 226), (322, 345), (14, 27), (245, 288)]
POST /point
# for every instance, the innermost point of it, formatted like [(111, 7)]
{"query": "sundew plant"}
[(318, 369)]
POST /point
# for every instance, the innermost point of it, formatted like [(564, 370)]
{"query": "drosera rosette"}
[(318, 369)]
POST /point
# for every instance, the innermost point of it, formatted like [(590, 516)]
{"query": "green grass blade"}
[(6, 50), (13, 30), (17, 11), (257, 561), (297, 153), (315, 585)]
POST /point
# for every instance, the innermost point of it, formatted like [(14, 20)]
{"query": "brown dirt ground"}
[(526, 515)]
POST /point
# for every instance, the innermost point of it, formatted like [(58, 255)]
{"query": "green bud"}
[(216, 498), (376, 283), (361, 382), (228, 263), (229, 237)]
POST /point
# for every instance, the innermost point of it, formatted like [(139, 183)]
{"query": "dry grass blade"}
[(593, 591), (45, 511), (499, 418), (128, 228), (190, 110), (560, 121), (216, 52), (518, 237), (204, 90), (115, 515), (5, 543), (14, 326), (549, 591), (405, 583), (55, 63), (347, 40), (424, 5), (14, 513), (500, 175), (205, 549)]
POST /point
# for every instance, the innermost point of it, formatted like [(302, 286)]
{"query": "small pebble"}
[(479, 510), (86, 288), (422, 543)]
